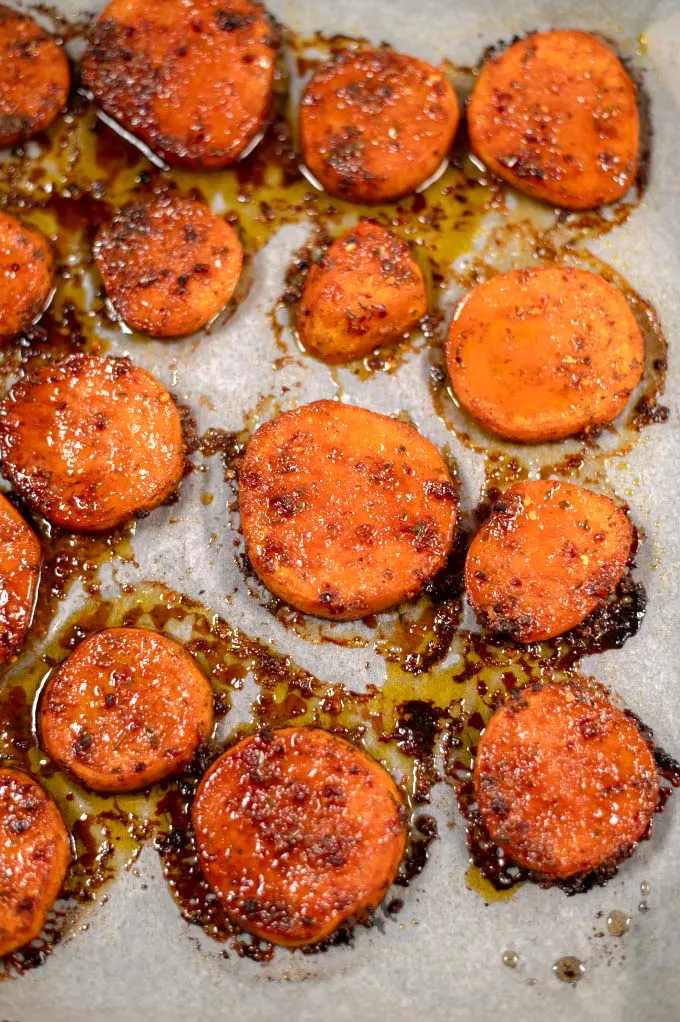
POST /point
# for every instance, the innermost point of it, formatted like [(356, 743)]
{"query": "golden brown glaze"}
[(564, 781), (34, 78), (545, 353), (26, 276), (126, 709), (34, 857), (556, 116), (20, 558), (90, 442), (298, 832), (190, 78), (168, 265), (374, 125), (366, 291), (549, 554), (344, 512)]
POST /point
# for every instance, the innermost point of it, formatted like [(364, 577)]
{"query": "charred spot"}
[(332, 601), (331, 850), (334, 793), (523, 166), (384, 474), (592, 727), (17, 826), (231, 21), (440, 491), (426, 535), (82, 743), (500, 807), (288, 505), (121, 367)]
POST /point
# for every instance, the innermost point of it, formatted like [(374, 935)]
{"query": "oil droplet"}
[(645, 888), (569, 969), (510, 958), (643, 906), (618, 923)]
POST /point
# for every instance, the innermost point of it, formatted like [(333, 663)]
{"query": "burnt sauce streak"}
[(442, 682)]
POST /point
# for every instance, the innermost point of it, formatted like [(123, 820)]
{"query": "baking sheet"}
[(441, 956)]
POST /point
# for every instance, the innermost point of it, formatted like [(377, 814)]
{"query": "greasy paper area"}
[(440, 958)]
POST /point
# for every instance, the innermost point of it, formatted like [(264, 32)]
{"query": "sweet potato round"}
[(127, 708), (26, 276), (190, 78), (299, 832), (375, 125), (545, 353), (34, 78), (169, 265), (366, 291), (565, 782), (20, 560), (90, 442), (35, 854), (344, 512), (549, 554), (556, 116)]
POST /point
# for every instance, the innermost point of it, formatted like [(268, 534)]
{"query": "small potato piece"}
[(126, 709), (34, 856), (168, 265), (298, 832), (20, 560), (541, 354), (34, 78), (556, 116), (565, 782), (368, 290), (344, 512), (549, 554), (376, 125), (26, 276), (90, 442), (190, 78)]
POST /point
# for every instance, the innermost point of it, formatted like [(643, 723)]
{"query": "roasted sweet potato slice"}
[(545, 353), (26, 276), (169, 265), (345, 512), (34, 856), (549, 554), (565, 782), (299, 832), (366, 291), (375, 125), (556, 116), (90, 442), (127, 708), (34, 78), (193, 80), (20, 560)]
